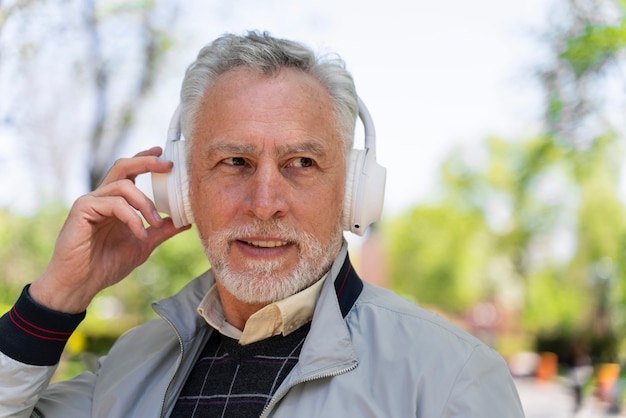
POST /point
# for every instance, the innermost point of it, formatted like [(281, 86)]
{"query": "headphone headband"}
[(368, 126)]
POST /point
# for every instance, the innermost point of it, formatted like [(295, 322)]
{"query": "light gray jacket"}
[(369, 353)]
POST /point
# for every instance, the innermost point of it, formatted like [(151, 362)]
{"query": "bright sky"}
[(432, 73)]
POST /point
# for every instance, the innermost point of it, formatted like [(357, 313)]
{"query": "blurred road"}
[(555, 400)]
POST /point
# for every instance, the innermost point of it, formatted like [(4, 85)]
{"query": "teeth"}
[(267, 244)]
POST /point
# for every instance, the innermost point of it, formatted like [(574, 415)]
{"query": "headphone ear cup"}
[(171, 190), (365, 191), (182, 182), (351, 189)]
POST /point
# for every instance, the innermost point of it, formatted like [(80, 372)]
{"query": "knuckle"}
[(125, 183), (83, 203)]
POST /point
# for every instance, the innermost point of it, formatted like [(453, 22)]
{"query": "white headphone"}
[(365, 180)]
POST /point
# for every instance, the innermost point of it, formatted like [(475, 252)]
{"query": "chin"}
[(270, 280)]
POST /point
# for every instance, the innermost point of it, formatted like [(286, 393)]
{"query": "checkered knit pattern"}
[(231, 380)]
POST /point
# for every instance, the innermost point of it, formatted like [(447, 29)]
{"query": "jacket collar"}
[(180, 309), (328, 348), (348, 286)]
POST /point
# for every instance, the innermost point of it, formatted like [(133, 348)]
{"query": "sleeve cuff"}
[(33, 334)]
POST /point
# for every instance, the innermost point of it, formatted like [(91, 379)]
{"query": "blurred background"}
[(501, 124)]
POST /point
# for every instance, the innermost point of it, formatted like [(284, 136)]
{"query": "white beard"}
[(261, 281)]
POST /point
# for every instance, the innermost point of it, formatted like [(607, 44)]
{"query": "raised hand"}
[(104, 238)]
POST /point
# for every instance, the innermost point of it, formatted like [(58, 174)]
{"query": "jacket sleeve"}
[(67, 399), (20, 386), (484, 388), (32, 338)]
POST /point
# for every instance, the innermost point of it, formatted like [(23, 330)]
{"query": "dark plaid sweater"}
[(233, 380)]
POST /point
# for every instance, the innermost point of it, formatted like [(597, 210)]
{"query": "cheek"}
[(207, 206), (324, 209)]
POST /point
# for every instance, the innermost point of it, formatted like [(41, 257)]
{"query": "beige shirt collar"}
[(282, 317)]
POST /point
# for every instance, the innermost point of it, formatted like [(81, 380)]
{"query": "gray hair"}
[(268, 55)]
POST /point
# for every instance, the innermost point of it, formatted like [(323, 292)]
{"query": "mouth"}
[(266, 244)]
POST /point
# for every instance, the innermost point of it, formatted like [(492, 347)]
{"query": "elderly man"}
[(281, 325)]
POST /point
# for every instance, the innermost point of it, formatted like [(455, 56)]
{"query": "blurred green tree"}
[(545, 212), (438, 256), (536, 224), (582, 72), (25, 246)]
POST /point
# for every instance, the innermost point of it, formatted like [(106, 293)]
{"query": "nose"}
[(267, 193)]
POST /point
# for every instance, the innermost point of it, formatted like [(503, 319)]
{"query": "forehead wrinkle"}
[(234, 148)]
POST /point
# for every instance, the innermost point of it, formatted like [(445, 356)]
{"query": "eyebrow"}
[(308, 146)]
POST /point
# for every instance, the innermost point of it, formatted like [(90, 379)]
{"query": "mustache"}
[(273, 227)]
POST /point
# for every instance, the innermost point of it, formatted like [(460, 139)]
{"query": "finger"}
[(154, 151), (97, 210), (132, 196), (130, 168), (127, 215)]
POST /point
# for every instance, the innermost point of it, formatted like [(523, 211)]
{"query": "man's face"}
[(267, 182)]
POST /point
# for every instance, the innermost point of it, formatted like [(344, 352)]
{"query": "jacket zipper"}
[(180, 342), (278, 396)]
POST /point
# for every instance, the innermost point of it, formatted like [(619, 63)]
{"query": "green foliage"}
[(127, 7), (555, 107), (26, 244), (438, 257), (593, 45), (497, 227), (554, 304)]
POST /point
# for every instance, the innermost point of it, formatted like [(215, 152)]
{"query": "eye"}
[(302, 162), (235, 161)]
